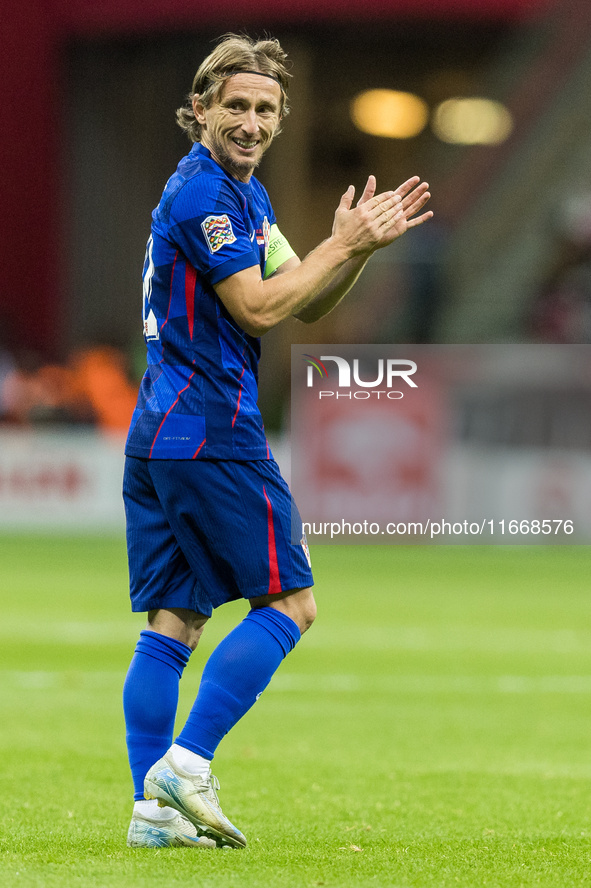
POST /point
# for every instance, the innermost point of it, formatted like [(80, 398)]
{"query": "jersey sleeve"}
[(207, 222)]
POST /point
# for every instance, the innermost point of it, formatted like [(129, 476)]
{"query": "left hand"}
[(414, 195)]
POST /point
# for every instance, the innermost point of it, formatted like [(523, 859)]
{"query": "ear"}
[(198, 109)]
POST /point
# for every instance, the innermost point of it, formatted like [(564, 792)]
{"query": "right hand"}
[(378, 220)]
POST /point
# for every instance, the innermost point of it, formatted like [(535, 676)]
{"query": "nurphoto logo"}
[(389, 372)]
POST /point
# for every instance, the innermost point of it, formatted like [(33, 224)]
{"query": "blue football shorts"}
[(203, 532)]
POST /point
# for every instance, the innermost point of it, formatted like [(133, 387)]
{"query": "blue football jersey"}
[(198, 397)]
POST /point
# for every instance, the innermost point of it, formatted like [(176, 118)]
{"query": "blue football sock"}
[(237, 672), (150, 699)]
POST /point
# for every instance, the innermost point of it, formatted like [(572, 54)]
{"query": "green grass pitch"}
[(433, 729)]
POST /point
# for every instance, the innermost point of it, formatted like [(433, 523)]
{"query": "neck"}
[(237, 171)]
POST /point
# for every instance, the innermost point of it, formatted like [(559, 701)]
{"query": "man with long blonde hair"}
[(209, 517)]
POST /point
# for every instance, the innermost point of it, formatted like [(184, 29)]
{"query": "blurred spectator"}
[(101, 376), (33, 392), (92, 388), (562, 311), (7, 368)]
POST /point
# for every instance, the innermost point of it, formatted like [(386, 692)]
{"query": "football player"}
[(209, 517)]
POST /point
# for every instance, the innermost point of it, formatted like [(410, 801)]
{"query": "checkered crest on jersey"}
[(218, 231)]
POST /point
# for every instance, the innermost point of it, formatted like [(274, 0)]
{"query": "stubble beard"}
[(238, 169)]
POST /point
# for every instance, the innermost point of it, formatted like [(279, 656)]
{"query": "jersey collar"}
[(202, 151)]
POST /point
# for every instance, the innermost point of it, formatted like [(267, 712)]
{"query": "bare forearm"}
[(330, 296), (258, 305), (312, 288)]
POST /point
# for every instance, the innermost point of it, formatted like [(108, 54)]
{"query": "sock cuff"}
[(168, 650), (283, 629)]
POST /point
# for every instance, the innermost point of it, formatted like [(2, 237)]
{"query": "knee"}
[(298, 605), (301, 607), (307, 615), (192, 637), (178, 623)]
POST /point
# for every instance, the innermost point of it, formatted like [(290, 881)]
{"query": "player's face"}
[(240, 124)]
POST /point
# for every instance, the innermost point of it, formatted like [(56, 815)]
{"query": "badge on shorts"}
[(304, 545), (217, 231)]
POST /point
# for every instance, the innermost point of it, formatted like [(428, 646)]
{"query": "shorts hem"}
[(199, 608)]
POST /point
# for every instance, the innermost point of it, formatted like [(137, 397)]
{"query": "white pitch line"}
[(335, 683), (456, 638)]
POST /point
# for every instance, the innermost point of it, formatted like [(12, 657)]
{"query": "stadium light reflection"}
[(389, 113), (472, 121)]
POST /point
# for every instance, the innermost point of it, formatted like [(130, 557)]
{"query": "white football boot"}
[(173, 832), (195, 798)]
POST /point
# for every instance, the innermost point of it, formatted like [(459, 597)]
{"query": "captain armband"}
[(279, 251)]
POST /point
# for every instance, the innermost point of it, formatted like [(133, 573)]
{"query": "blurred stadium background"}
[(486, 99), (462, 675)]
